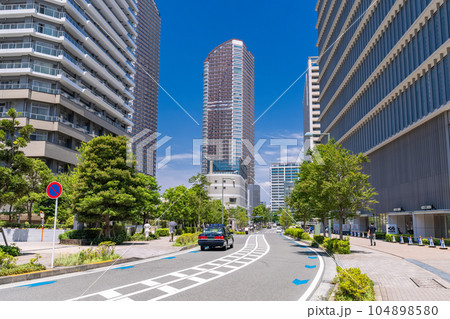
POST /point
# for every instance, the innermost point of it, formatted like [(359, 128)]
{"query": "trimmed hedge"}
[(306, 236), (337, 246), (162, 232), (94, 235), (187, 239), (294, 232), (319, 239), (380, 235), (354, 286)]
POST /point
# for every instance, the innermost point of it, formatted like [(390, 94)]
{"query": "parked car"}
[(216, 235), (279, 230)]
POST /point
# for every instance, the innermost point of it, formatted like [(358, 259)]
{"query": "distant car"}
[(216, 235), (279, 230)]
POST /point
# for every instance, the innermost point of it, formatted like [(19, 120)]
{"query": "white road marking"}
[(110, 294), (215, 272), (177, 274), (150, 283), (168, 289), (197, 279), (202, 270), (126, 299)]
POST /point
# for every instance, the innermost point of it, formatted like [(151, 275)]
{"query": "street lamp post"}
[(223, 182), (310, 135)]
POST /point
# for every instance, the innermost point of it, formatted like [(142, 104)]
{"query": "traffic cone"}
[(401, 239), (393, 238), (431, 243), (443, 244), (420, 241), (410, 241)]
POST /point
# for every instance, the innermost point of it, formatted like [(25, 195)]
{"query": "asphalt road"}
[(261, 267)]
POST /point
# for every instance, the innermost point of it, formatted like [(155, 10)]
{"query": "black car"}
[(216, 235)]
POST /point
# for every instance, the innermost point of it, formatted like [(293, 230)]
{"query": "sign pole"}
[(42, 220), (54, 232)]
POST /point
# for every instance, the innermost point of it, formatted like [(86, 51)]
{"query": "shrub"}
[(162, 232), (137, 237), (6, 261), (354, 286), (389, 237), (380, 235), (294, 232), (187, 239), (319, 239), (104, 252), (178, 232), (31, 266), (305, 236), (11, 250), (337, 246), (190, 230)]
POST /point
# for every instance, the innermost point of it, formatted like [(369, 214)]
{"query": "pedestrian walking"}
[(372, 230), (172, 226), (146, 229)]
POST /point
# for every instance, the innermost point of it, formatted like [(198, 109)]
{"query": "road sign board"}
[(54, 190), (42, 215)]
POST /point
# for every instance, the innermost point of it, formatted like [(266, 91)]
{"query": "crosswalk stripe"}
[(177, 274), (150, 283)]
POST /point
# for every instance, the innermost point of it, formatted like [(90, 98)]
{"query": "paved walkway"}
[(401, 272), (139, 249)]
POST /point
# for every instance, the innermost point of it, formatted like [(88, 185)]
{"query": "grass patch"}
[(8, 265), (104, 252)]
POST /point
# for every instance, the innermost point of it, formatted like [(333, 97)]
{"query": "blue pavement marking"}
[(193, 252), (168, 258), (431, 269), (38, 284), (310, 257), (125, 267), (310, 267), (300, 282)]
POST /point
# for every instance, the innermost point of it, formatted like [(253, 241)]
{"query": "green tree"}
[(286, 219), (261, 214), (214, 212), (147, 197), (200, 184), (13, 162), (37, 180), (240, 216), (106, 185), (345, 189)]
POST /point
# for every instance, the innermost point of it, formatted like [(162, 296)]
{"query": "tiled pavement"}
[(396, 278)]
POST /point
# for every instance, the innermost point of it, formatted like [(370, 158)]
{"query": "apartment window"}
[(39, 136), (232, 200)]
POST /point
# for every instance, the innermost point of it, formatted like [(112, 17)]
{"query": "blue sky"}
[(280, 34)]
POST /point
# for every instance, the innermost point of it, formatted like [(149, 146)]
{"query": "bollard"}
[(393, 238), (443, 244), (401, 239), (431, 243), (420, 241), (410, 241)]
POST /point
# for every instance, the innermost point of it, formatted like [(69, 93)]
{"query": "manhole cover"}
[(427, 283)]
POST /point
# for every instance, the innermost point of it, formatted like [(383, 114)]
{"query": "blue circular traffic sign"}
[(54, 190)]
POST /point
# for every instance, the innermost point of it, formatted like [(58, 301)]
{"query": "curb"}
[(71, 269), (62, 271)]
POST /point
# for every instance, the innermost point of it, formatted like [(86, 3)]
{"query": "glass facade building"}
[(229, 109), (311, 105), (67, 66), (282, 178), (384, 80), (145, 118)]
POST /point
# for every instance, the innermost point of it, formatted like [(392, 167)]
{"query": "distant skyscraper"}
[(384, 82), (282, 178), (228, 110), (146, 91), (311, 106), (67, 67), (254, 197)]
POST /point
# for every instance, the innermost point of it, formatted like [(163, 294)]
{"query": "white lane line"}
[(150, 283), (212, 264), (126, 299), (213, 271), (109, 294), (168, 289), (152, 279), (227, 273), (232, 267), (199, 269), (177, 274), (197, 279)]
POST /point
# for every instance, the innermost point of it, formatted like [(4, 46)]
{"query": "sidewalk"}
[(401, 272), (138, 249)]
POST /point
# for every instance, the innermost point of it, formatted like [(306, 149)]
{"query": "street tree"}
[(36, 180), (240, 216), (200, 185), (286, 219), (345, 189), (261, 214), (106, 183), (13, 162)]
